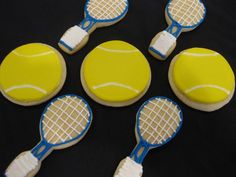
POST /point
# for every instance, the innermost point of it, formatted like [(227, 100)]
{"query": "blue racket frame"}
[(175, 28), (143, 144), (89, 19), (44, 147), (179, 26)]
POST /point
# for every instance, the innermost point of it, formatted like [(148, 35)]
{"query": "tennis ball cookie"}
[(202, 79), (32, 74), (115, 74)]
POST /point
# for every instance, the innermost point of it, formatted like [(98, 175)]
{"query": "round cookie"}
[(202, 79), (32, 74), (115, 74)]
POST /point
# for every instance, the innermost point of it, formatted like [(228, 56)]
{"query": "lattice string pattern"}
[(187, 12), (159, 120), (65, 119), (106, 9)]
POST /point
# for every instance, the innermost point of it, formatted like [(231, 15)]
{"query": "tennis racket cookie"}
[(98, 13), (32, 74), (115, 74), (158, 121), (202, 79), (182, 16), (64, 123)]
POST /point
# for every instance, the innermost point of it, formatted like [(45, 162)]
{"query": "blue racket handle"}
[(140, 152), (175, 29), (41, 150), (87, 24)]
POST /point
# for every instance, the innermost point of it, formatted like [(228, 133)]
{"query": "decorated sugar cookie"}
[(158, 121), (115, 74), (182, 16), (64, 123), (32, 74), (202, 79), (98, 13)]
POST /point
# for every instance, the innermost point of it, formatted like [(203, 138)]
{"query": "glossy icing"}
[(203, 75), (31, 73), (116, 71)]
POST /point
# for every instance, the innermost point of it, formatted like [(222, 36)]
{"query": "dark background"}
[(206, 145)]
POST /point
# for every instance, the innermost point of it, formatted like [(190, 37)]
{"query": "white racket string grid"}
[(158, 121), (182, 16), (65, 120), (106, 9), (64, 123), (98, 13), (186, 12)]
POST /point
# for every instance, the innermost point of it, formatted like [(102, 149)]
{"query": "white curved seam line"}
[(200, 55), (35, 55), (26, 86), (116, 84), (118, 51), (209, 86)]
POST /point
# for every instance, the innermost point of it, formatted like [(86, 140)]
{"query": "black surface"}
[(206, 145)]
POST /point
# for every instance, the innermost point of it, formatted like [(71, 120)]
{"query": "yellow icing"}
[(203, 75), (116, 71), (31, 73)]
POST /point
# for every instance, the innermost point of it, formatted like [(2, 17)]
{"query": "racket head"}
[(142, 129), (191, 20), (65, 121), (95, 10)]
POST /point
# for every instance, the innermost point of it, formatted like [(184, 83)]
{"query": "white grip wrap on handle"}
[(164, 44), (23, 165), (129, 168), (73, 37)]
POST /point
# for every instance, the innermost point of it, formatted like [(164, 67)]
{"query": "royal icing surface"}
[(74, 36), (31, 73), (203, 75), (24, 164), (129, 168), (116, 71), (164, 43)]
